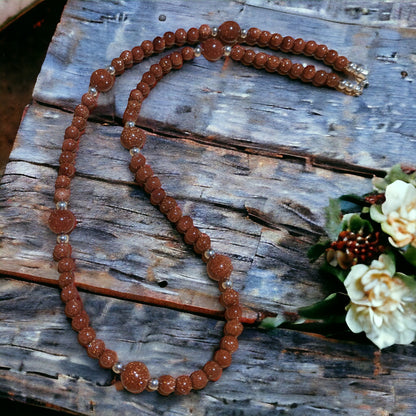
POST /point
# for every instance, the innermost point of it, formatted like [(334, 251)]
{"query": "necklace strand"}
[(215, 43)]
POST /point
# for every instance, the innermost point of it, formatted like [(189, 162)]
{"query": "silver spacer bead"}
[(134, 151), (111, 70), (243, 34), (227, 50), (214, 31), (227, 284), (209, 253), (129, 124), (62, 205), (93, 91), (117, 368), (153, 384), (62, 239), (197, 51)]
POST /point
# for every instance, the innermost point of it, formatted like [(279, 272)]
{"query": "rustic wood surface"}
[(253, 157)]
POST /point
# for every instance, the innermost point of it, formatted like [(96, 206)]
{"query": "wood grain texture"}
[(253, 157)]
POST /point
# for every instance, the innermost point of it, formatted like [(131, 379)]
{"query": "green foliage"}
[(331, 309), (333, 218)]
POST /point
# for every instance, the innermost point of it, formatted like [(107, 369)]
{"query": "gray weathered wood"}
[(253, 157)]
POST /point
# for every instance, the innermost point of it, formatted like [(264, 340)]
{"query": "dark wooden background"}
[(253, 157)]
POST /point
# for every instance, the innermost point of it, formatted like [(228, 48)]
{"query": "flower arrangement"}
[(370, 249)]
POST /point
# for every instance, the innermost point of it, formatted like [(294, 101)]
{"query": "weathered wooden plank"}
[(269, 112), (284, 372)]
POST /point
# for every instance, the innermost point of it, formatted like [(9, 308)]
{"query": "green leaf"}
[(328, 309), (410, 255), (357, 224), (317, 250), (333, 218), (339, 273), (396, 173), (352, 203), (272, 322)]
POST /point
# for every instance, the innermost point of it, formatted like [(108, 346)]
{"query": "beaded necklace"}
[(215, 43)]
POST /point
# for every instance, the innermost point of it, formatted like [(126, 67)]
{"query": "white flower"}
[(381, 303), (397, 214)]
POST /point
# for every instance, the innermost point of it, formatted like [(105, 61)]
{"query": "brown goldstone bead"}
[(229, 297), (167, 204), (205, 32), (147, 46), (102, 80), (237, 52), (169, 39), (136, 95), (62, 194), (284, 66), (229, 32), (233, 312), (287, 44), (183, 385), (260, 60), (180, 37), (264, 38), (177, 60), (188, 53), (62, 221), (159, 44), (320, 51), (184, 224), (127, 57), (66, 157), (149, 79), (202, 244), (118, 64), (332, 80), (131, 112), (233, 328), (86, 335), (67, 264), (167, 385), (298, 46), (192, 36), (80, 321), (272, 63), (212, 370), (252, 35), (89, 100), (229, 343), (135, 377), (248, 57), (157, 196), (82, 111), (296, 71), (212, 49), (67, 169), (65, 279), (79, 123), (151, 184), (330, 57), (199, 379), (308, 73), (219, 267), (61, 251), (340, 63), (138, 54), (319, 78), (137, 161), (157, 71), (310, 48), (143, 88), (72, 132), (69, 292), (174, 214), (107, 359), (275, 41), (143, 174), (222, 358), (69, 145), (166, 65), (73, 308), (191, 235), (95, 348)]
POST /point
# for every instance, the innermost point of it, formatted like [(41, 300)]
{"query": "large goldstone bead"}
[(229, 32), (135, 377), (219, 267), (62, 221)]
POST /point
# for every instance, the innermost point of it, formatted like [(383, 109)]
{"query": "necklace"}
[(215, 43)]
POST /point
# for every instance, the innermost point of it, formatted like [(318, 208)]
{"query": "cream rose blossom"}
[(397, 214), (380, 303)]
